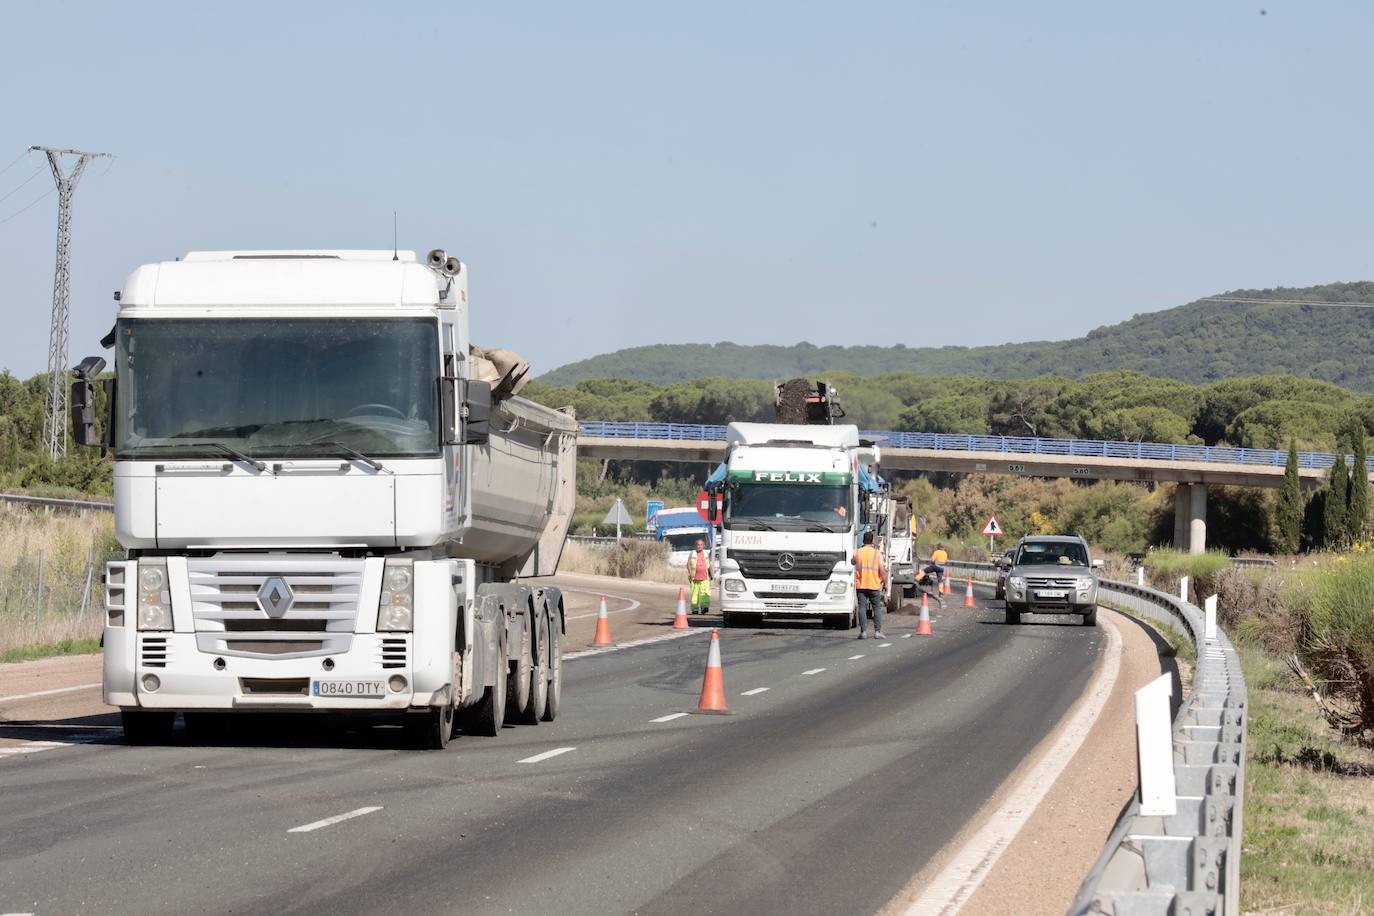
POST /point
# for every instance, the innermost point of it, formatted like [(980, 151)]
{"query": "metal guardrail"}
[(1188, 863), (80, 504), (1081, 448)]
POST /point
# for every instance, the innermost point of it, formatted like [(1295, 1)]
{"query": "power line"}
[(33, 203), (15, 190), (14, 162), (55, 404), (1311, 302)]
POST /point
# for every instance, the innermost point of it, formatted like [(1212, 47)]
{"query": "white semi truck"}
[(797, 499), (325, 509)]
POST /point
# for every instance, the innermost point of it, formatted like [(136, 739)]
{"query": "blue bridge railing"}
[(1018, 445)]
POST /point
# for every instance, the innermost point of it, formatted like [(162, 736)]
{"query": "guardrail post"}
[(1183, 589), (1209, 629), (1140, 576), (1155, 748)]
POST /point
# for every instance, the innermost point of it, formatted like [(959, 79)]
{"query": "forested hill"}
[(1198, 343)]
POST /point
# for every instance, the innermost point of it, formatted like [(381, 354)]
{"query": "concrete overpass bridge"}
[(1192, 467)]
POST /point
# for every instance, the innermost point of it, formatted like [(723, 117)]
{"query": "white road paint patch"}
[(906, 636), (954, 885), (811, 672), (670, 717), (47, 693), (750, 693), (547, 754), (330, 821), (854, 658), (884, 645), (648, 641), (609, 597), (34, 747)]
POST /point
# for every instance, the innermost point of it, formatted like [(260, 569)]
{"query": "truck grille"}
[(767, 564), (325, 595), (393, 652), (153, 651), (1051, 582)]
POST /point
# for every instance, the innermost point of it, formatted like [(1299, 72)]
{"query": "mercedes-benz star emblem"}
[(787, 562), (275, 597)]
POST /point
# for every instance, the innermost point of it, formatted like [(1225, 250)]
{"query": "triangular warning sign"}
[(992, 529)]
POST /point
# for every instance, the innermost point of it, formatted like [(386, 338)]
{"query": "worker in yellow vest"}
[(870, 577), (699, 578)]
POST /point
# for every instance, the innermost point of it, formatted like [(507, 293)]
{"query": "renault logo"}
[(275, 597), (787, 562)]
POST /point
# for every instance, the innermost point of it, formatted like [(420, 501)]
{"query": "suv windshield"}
[(291, 387), (1052, 553), (779, 505)]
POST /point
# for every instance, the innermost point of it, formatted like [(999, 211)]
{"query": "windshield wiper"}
[(356, 455), (226, 450)]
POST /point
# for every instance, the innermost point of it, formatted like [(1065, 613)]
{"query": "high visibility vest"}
[(699, 566), (868, 564)]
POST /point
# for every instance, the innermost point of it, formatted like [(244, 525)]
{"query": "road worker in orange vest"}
[(699, 577), (870, 577)]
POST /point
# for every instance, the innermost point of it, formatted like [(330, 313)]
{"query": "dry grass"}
[(66, 543), (643, 560)]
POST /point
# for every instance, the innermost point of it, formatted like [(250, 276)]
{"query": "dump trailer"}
[(328, 497)]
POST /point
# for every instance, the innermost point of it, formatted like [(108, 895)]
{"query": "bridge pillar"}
[(1182, 508), (1197, 521)]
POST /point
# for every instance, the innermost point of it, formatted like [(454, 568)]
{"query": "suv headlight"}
[(1017, 581), (733, 586), (396, 611), (836, 587), (154, 599), (1084, 583)]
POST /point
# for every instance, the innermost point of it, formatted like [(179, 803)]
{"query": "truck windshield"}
[(277, 387), (684, 541), (779, 506)]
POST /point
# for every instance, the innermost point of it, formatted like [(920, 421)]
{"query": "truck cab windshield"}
[(792, 507), (294, 387)]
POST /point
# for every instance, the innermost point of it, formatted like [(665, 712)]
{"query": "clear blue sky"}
[(636, 173)]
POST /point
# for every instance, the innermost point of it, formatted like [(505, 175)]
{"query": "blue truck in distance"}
[(681, 528)]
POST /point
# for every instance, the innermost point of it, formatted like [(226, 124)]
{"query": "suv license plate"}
[(1052, 594), (370, 690)]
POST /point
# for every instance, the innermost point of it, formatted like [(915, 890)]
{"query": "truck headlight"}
[(733, 586), (154, 600), (1017, 582), (396, 611), (836, 587)]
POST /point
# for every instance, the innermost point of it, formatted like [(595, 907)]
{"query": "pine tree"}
[(1357, 501), (1291, 505), (1333, 520)]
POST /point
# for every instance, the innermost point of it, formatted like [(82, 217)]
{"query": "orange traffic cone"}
[(923, 625), (603, 626), (713, 684), (944, 587), (680, 621), (968, 594)]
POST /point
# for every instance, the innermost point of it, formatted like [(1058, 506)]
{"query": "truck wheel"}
[(533, 711), (839, 621), (729, 619), (1013, 616), (430, 730), (555, 697), (894, 601), (518, 682), (145, 726), (490, 712), (1090, 617)]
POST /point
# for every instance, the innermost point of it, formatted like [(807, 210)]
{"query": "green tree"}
[(1288, 514), (1333, 516), (1357, 501)]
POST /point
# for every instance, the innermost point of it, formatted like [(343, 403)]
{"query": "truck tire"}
[(431, 730), (840, 621), (894, 601), (1090, 617), (518, 682), (487, 717), (555, 698), (1013, 616), (147, 726), (533, 711)]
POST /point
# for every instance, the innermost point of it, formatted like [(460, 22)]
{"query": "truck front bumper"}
[(811, 600)]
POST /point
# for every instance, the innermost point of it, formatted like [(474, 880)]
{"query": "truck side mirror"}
[(83, 401), (476, 412)]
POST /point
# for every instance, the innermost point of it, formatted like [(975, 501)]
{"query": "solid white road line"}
[(670, 717), (811, 672), (47, 693), (750, 693), (546, 755), (609, 597), (647, 641), (853, 658), (955, 884), (329, 821)]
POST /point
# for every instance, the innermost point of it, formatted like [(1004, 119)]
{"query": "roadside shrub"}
[(1163, 569), (1262, 606), (1339, 645)]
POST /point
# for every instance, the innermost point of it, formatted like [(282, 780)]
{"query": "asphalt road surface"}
[(843, 768)]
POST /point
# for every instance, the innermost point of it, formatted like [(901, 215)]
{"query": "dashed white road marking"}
[(47, 693), (750, 693), (670, 717), (906, 636), (884, 645), (854, 658), (955, 884), (547, 754), (811, 672), (329, 821), (620, 610)]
